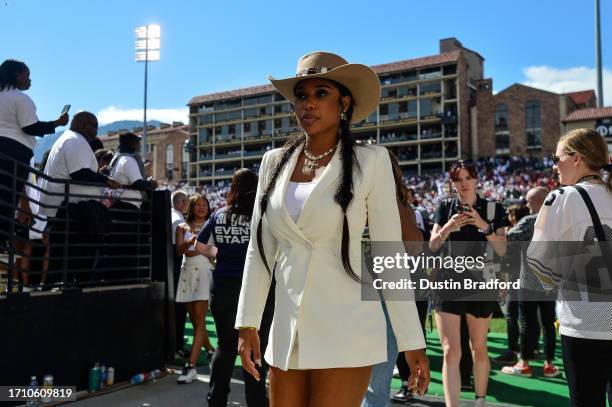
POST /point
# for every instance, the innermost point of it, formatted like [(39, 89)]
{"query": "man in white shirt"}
[(179, 206), (127, 168), (180, 200), (130, 224), (71, 159)]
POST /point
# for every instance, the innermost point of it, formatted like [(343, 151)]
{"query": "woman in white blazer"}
[(313, 199)]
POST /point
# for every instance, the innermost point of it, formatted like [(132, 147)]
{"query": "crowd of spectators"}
[(505, 180)]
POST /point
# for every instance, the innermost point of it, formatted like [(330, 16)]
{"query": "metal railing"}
[(88, 240)]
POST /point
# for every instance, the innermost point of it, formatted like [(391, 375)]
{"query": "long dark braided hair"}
[(344, 192)]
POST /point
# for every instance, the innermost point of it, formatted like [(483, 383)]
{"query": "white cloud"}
[(113, 113), (568, 80)]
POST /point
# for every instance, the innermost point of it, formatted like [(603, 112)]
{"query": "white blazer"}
[(315, 299)]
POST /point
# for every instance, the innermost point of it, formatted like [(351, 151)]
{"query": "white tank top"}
[(296, 195)]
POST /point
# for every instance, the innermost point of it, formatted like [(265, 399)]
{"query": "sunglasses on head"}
[(463, 164), (556, 158)]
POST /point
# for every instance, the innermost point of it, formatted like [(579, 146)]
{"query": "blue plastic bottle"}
[(32, 388), (138, 378)]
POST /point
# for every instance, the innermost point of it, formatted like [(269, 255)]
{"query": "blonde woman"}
[(582, 162)]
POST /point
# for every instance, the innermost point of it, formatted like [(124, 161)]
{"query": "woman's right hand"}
[(62, 120), (457, 221), (248, 341)]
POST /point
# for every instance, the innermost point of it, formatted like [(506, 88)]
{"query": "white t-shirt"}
[(125, 171), (70, 153), (564, 217), (177, 218), (40, 220), (17, 110), (295, 197), (419, 219)]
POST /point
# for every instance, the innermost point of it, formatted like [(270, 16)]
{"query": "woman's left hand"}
[(191, 240), (419, 371), (476, 219)]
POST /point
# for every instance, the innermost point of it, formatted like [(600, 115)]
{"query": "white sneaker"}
[(188, 375), (396, 372), (481, 402)]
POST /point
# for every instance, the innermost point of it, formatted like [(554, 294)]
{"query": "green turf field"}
[(536, 391)]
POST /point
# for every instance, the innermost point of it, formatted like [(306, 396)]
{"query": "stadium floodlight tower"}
[(147, 49)]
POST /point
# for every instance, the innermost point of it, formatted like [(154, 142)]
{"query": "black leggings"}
[(512, 318), (223, 306), (530, 327), (9, 186), (588, 369)]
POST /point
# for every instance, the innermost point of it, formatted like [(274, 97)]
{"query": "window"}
[(185, 163), (412, 109), (393, 111), (384, 110), (202, 120), (501, 117), (252, 112), (260, 100), (404, 91), (502, 136), (205, 135), (449, 69), (430, 88), (390, 93), (426, 108), (169, 162), (430, 73), (532, 124)]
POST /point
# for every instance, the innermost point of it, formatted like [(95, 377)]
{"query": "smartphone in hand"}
[(65, 110)]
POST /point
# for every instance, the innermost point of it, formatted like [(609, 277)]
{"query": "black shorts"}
[(479, 309)]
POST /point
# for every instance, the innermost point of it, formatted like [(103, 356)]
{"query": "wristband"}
[(489, 230)]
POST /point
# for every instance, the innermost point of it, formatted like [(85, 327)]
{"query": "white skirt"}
[(195, 280)]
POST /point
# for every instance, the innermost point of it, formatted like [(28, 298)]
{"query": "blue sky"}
[(82, 52)]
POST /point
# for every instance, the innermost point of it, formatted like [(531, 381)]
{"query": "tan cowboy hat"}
[(360, 79)]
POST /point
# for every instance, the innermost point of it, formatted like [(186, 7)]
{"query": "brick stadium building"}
[(434, 110), (521, 120)]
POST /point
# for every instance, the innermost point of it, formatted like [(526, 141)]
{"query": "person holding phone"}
[(474, 221), (19, 125)]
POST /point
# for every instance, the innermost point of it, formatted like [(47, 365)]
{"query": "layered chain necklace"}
[(196, 227), (311, 162), (588, 178)]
